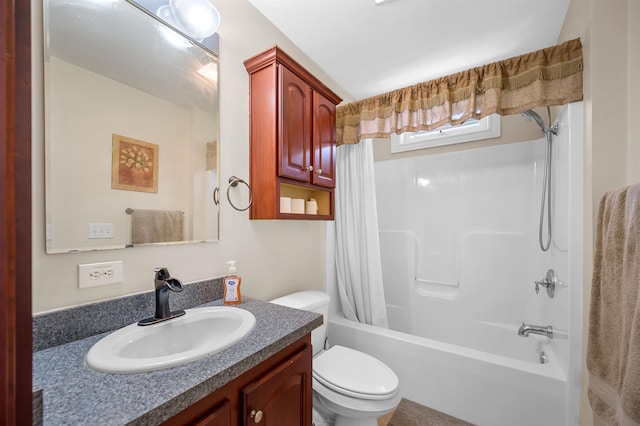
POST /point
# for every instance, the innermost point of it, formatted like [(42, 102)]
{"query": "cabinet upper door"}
[(324, 141), (295, 127), (282, 397)]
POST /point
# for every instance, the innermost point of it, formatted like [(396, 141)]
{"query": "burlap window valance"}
[(551, 76)]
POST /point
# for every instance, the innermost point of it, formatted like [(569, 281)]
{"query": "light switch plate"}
[(97, 274), (100, 230)]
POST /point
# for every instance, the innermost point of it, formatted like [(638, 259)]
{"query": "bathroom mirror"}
[(131, 128)]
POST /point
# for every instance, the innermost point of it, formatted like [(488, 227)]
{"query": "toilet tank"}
[(314, 301)]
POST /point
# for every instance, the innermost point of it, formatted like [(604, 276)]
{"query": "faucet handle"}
[(163, 278), (162, 274), (549, 282)]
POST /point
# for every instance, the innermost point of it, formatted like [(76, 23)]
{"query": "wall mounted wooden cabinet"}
[(292, 135)]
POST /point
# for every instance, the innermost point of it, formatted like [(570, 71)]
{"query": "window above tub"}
[(471, 130)]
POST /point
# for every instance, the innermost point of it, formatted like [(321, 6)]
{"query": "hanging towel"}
[(613, 348), (156, 226)]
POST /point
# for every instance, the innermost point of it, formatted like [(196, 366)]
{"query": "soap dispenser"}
[(232, 280)]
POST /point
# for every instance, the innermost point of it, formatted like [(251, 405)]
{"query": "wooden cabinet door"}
[(282, 397), (324, 141), (220, 416), (295, 127), (210, 411)]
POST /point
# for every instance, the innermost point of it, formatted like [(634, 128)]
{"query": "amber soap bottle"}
[(232, 280)]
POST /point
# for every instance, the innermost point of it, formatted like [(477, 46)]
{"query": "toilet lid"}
[(354, 373)]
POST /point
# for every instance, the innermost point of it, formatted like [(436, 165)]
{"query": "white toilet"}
[(354, 387)]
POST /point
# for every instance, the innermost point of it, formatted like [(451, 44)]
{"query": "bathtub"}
[(459, 262), (476, 386)]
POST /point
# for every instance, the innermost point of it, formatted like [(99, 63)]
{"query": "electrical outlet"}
[(96, 274)]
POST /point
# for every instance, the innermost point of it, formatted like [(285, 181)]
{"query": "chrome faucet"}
[(164, 285), (526, 329)]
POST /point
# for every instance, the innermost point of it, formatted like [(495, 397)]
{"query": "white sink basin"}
[(197, 334)]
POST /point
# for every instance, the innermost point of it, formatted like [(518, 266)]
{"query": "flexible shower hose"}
[(546, 196)]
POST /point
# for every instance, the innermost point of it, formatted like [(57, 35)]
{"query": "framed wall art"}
[(134, 165)]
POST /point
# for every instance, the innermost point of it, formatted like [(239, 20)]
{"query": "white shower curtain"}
[(358, 264)]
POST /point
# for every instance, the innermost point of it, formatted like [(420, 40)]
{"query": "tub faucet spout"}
[(164, 284), (526, 329)]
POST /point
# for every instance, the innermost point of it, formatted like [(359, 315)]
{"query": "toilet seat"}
[(354, 373), (348, 406)]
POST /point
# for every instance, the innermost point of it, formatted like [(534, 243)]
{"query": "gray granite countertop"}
[(73, 394)]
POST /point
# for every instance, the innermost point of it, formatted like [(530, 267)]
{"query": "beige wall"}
[(274, 257), (611, 42), (83, 161), (633, 92)]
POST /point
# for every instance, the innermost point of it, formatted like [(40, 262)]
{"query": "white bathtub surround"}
[(460, 259), (357, 246), (613, 350)]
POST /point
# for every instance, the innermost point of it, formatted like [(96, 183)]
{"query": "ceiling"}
[(370, 48)]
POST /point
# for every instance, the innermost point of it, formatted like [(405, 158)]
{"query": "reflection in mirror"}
[(131, 125)]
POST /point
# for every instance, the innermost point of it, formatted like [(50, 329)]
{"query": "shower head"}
[(532, 115)]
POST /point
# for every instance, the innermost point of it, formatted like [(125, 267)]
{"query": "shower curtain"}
[(358, 264)]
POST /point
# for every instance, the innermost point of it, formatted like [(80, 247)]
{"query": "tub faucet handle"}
[(549, 282)]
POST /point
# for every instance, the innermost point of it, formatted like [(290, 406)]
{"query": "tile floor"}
[(408, 413), (384, 420)]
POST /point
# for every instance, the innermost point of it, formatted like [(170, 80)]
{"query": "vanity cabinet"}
[(292, 137), (280, 397), (276, 392)]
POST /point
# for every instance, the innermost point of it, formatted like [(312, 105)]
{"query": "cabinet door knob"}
[(256, 415), (318, 171), (309, 168)]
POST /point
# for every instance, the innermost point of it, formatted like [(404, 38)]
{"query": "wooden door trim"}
[(15, 212)]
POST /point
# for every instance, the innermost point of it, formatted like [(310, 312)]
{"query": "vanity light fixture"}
[(197, 19)]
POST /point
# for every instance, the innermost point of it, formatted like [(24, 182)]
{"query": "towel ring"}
[(233, 182)]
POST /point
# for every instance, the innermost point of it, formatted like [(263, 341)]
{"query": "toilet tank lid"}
[(306, 300)]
